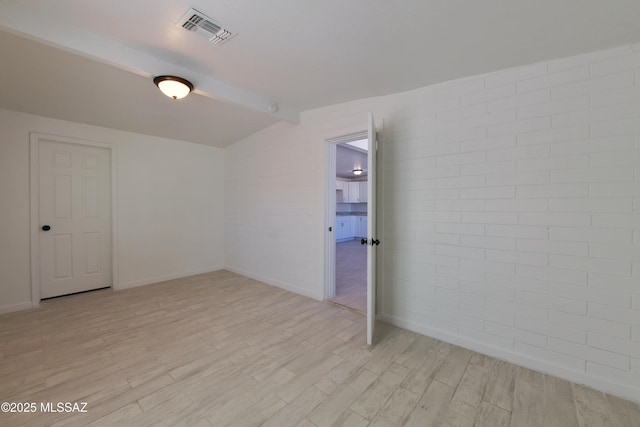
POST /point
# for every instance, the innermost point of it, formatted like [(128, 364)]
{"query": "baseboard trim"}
[(137, 283), (583, 378), (4, 309), (345, 239), (277, 283)]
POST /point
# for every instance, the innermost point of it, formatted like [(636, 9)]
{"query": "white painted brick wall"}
[(596, 85), (588, 58), (555, 190), (618, 63), (510, 211), (548, 136), (553, 79), (557, 247), (515, 75), (622, 95), (613, 329), (553, 202), (553, 357)]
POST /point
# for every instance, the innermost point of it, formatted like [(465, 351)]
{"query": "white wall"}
[(510, 212), (170, 204), (272, 206)]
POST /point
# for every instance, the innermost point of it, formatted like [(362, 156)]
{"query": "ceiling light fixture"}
[(357, 171), (174, 87)]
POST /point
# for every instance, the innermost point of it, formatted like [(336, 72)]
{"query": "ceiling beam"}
[(17, 20)]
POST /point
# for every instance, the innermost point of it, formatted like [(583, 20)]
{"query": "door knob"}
[(363, 241), (375, 242), (46, 228)]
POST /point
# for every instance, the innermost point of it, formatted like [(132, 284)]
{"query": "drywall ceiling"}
[(41, 80), (347, 159), (301, 54)]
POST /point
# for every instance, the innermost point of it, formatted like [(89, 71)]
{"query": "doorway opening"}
[(349, 212), (331, 196)]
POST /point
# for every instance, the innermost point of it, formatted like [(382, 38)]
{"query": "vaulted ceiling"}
[(92, 61)]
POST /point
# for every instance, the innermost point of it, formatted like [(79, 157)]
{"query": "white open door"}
[(371, 230)]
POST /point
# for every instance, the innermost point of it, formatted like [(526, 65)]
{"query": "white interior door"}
[(74, 200), (371, 230)]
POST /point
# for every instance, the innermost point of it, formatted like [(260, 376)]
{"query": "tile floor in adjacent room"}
[(351, 275), (220, 349)]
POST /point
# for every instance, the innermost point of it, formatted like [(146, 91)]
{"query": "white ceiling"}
[(50, 82), (347, 159), (300, 54)]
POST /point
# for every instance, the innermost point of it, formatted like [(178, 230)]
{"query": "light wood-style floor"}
[(219, 349), (351, 275)]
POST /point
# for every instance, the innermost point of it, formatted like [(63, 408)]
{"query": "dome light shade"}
[(357, 171), (174, 87)]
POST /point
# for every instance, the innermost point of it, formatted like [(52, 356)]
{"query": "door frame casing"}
[(34, 208), (330, 206)]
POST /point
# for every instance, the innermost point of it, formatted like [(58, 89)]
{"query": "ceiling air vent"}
[(201, 24)]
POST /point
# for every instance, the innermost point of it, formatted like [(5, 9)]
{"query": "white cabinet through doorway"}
[(362, 191), (351, 191), (360, 226), (349, 227), (344, 227), (342, 192), (354, 192)]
